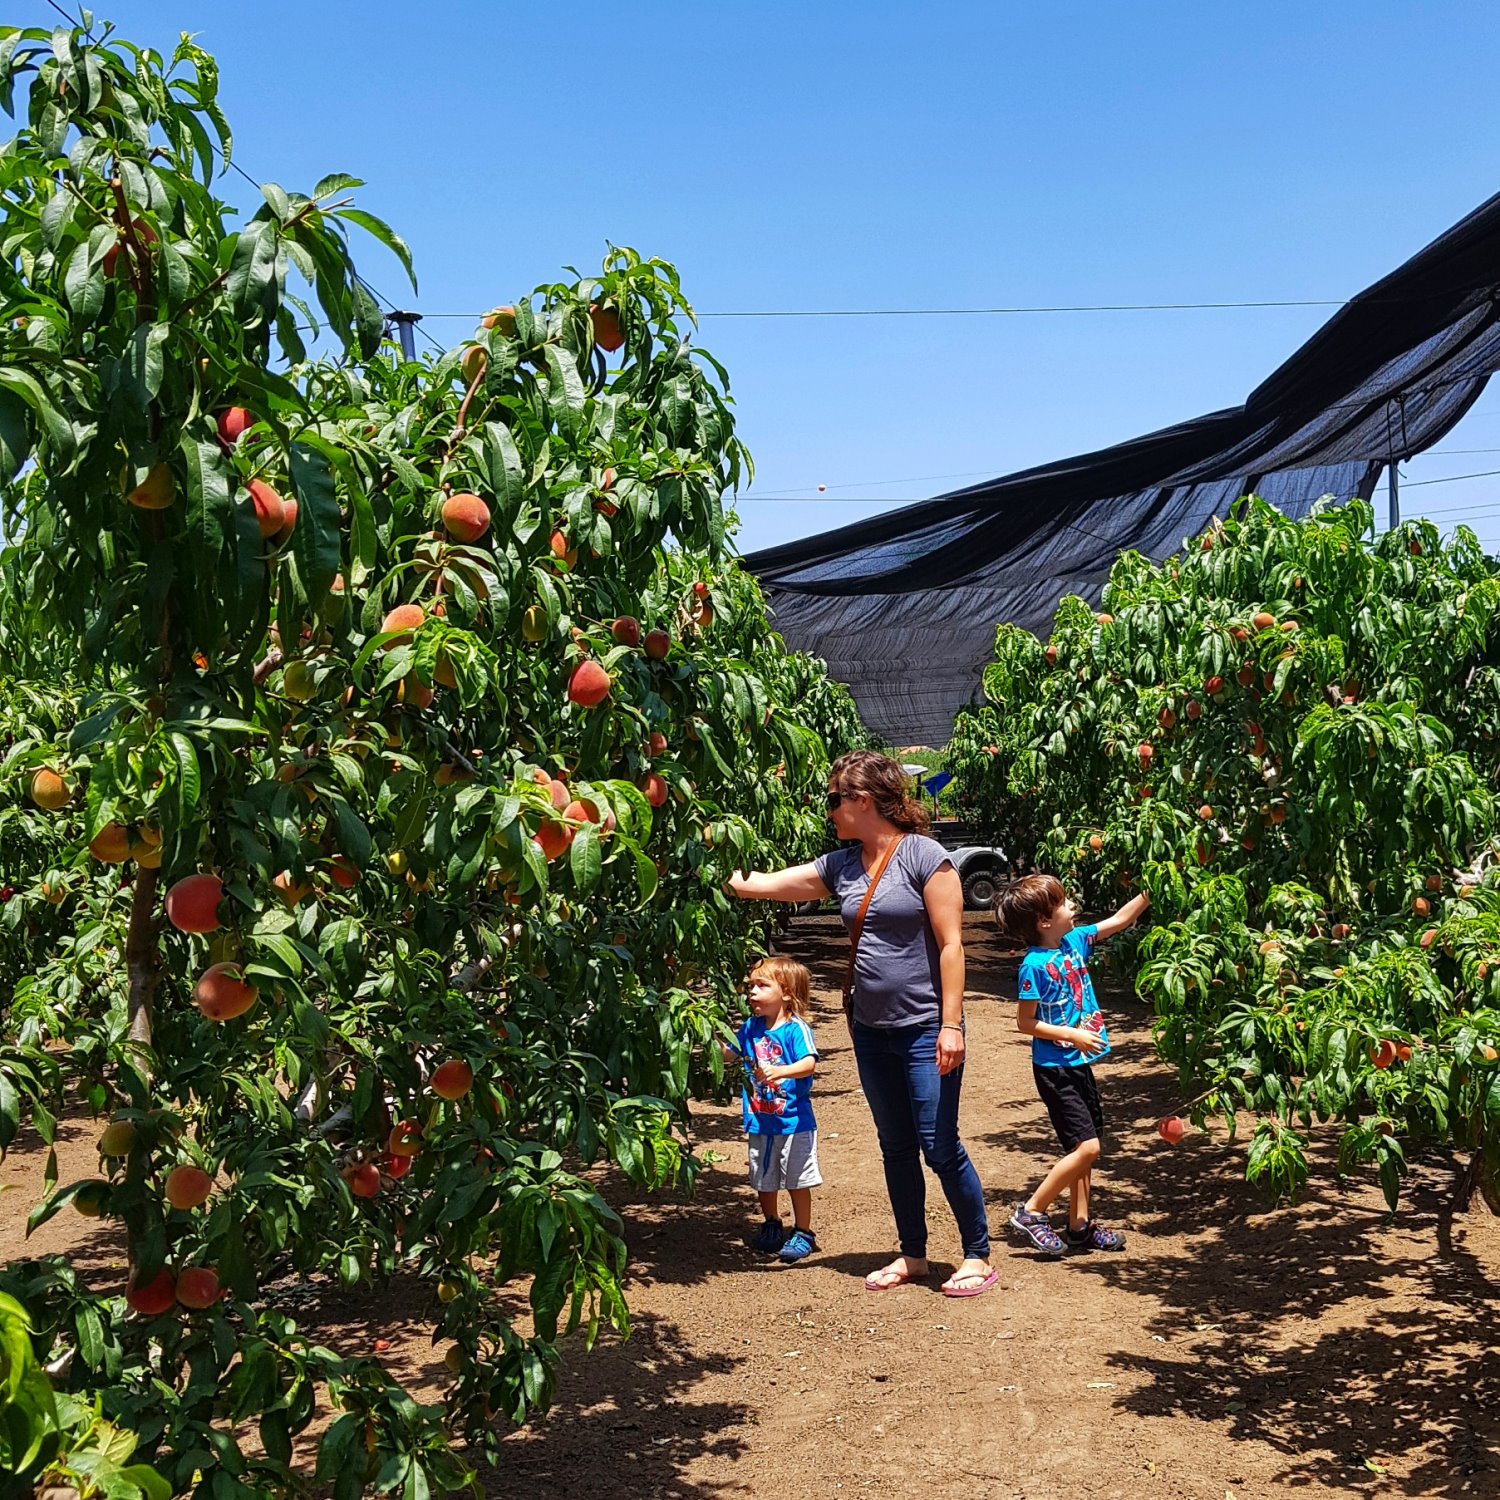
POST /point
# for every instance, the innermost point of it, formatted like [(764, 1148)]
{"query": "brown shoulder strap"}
[(864, 906)]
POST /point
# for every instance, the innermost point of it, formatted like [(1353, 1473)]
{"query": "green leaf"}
[(369, 322), (317, 538), (252, 273), (15, 436), (384, 233), (585, 858)]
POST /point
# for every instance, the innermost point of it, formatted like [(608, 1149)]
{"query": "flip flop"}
[(900, 1279), (972, 1291)]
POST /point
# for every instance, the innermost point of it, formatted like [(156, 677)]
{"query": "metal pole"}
[(1395, 512), (406, 323)]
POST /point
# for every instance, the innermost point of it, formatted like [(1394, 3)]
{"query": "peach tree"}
[(379, 736), (1287, 733)]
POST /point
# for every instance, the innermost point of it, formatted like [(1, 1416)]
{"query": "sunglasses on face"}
[(836, 798)]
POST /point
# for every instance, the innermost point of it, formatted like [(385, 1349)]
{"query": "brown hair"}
[(794, 979), (885, 781), (1025, 902)]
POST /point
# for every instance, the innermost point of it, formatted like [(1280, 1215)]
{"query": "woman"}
[(907, 1025)]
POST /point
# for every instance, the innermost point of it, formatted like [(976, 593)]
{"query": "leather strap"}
[(858, 925)]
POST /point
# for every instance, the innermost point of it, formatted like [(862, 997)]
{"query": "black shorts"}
[(1072, 1099)]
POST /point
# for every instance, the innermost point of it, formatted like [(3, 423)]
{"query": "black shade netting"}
[(903, 606)]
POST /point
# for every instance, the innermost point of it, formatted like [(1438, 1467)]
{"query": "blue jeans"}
[(916, 1115)]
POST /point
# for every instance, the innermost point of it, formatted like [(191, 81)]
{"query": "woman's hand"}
[(950, 1049)]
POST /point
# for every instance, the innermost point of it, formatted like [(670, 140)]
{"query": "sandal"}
[(990, 1279), (1094, 1236), (1038, 1229), (888, 1278)]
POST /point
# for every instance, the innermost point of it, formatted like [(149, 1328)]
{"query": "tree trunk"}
[(141, 962)]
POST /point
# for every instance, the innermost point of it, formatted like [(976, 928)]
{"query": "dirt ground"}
[(1231, 1350)]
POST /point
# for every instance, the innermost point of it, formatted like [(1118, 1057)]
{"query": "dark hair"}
[(888, 785), (1025, 902)]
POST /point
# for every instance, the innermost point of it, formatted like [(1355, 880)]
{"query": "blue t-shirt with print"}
[(1057, 981), (785, 1107)]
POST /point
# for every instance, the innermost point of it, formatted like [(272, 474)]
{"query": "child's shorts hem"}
[(780, 1163)]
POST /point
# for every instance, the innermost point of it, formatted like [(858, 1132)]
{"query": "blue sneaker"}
[(771, 1237), (800, 1243)]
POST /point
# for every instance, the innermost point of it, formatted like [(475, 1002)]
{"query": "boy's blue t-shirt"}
[(1057, 981), (783, 1108)]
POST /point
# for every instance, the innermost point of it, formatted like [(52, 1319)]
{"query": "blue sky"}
[(846, 156)]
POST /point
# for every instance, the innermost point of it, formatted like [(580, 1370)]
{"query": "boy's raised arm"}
[(1127, 916)]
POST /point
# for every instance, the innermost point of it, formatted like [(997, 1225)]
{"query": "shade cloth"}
[(903, 606)]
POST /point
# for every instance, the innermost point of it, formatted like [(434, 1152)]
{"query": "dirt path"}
[(1228, 1351)]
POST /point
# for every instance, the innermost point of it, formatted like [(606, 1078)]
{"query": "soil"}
[(1234, 1349)]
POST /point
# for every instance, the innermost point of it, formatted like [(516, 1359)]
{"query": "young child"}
[(1056, 1008), (779, 1055)]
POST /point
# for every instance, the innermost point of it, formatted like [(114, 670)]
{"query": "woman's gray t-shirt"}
[(897, 981)]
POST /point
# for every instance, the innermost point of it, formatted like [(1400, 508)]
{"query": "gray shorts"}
[(779, 1163)]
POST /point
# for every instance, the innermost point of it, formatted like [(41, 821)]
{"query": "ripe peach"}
[(589, 685), (118, 1138), (111, 845), (293, 892), (405, 1138), (655, 789), (155, 491), (395, 1167), (657, 744), (270, 510), (49, 791), (1104, 619), (233, 423), (1167, 718), (188, 1187), (466, 517), (363, 1180), (1383, 1055), (473, 364), (405, 618), (1172, 1130), (1096, 842), (222, 993), (562, 551), (626, 631), (657, 643), (558, 791), (343, 872), (198, 1287), (608, 333), (452, 1079), (414, 691), (503, 318), (193, 903), (1421, 906), (1263, 620), (552, 839), (1213, 687), (91, 1199), (1206, 813), (152, 1297), (288, 520)]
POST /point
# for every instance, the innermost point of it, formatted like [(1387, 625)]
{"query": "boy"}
[(1056, 1008), (779, 1054)]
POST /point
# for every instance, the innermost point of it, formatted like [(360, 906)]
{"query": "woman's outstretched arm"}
[(799, 883)]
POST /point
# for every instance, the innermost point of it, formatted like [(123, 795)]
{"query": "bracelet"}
[(950, 1026)]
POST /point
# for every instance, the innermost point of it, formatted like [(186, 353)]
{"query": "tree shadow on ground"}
[(628, 1411), (1329, 1330)]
